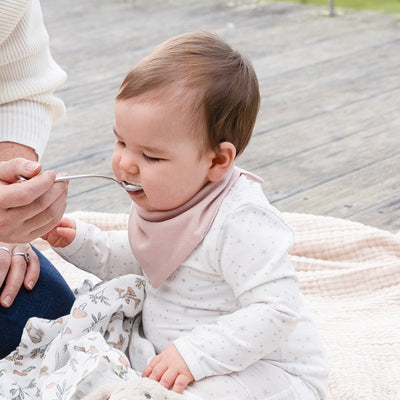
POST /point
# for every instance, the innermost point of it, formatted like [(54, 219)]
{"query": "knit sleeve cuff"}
[(28, 123)]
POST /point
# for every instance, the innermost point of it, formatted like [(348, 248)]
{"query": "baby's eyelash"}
[(119, 143), (150, 159)]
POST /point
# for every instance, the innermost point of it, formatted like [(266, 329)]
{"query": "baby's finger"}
[(181, 383), (66, 233), (148, 370), (158, 371), (67, 223), (168, 378)]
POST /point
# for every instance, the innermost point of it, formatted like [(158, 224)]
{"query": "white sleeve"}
[(252, 255), (28, 76), (106, 254)]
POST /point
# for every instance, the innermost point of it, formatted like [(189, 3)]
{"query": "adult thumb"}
[(12, 170)]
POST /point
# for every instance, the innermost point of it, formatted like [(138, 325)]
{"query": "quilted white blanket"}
[(350, 278)]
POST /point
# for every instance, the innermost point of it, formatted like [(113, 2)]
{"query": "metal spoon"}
[(130, 187)]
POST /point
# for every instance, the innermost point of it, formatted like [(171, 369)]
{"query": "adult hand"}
[(19, 265), (31, 208)]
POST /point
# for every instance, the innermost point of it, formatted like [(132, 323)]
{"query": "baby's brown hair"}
[(224, 82)]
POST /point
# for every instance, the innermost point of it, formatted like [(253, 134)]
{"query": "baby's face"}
[(157, 148)]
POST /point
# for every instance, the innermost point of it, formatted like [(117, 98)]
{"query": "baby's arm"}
[(260, 274), (106, 254), (170, 369)]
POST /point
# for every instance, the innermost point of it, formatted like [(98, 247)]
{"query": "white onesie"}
[(233, 309)]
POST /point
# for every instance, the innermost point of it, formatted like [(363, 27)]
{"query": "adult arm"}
[(28, 78)]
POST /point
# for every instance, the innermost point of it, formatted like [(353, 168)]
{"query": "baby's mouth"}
[(131, 187)]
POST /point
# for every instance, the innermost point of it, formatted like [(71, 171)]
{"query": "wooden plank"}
[(323, 88), (326, 129), (353, 196), (316, 166), (382, 214), (329, 123)]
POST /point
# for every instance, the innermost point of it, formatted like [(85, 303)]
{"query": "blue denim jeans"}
[(50, 298)]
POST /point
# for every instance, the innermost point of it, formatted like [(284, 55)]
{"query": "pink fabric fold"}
[(162, 240)]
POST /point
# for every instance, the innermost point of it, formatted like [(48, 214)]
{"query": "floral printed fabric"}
[(69, 357)]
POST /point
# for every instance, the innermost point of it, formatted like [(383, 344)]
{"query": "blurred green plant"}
[(386, 6)]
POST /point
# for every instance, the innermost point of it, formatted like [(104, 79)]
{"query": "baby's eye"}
[(119, 143), (150, 159)]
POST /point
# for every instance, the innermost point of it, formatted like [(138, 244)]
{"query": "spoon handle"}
[(70, 177)]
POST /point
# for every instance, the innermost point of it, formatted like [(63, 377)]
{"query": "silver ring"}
[(26, 255), (5, 249)]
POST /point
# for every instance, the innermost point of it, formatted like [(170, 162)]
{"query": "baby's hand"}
[(170, 369), (63, 234)]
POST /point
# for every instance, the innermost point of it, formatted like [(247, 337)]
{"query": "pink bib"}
[(162, 240)]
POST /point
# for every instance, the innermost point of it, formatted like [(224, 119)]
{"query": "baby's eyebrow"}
[(156, 150)]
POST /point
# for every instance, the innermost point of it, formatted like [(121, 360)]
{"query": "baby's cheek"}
[(115, 163)]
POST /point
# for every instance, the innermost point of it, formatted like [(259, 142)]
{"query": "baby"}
[(223, 308)]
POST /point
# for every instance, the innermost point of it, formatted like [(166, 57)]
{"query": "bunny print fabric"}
[(69, 357)]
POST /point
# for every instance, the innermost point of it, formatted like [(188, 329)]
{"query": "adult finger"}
[(55, 195), (22, 193), (46, 220), (33, 270), (5, 261), (33, 220), (15, 276), (12, 169)]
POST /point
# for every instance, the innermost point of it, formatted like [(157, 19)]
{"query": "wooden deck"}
[(327, 140)]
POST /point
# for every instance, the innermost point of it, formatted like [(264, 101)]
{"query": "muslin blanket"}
[(350, 278)]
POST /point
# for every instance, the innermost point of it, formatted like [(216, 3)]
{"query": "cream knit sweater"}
[(28, 76)]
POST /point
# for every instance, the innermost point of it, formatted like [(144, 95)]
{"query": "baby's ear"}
[(222, 161)]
